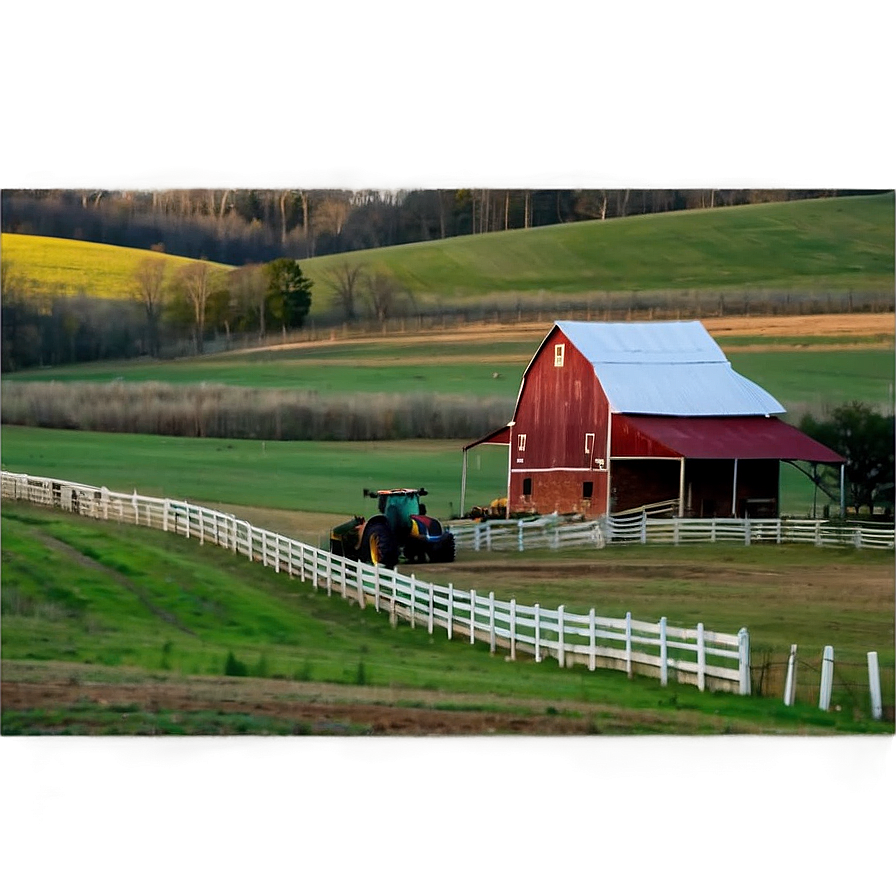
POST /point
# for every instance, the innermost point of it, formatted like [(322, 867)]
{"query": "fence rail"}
[(628, 528), (695, 656), (553, 531)]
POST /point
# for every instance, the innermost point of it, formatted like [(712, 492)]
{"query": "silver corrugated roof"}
[(668, 367)]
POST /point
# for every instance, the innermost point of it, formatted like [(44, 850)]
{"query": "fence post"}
[(450, 610), (302, 561), (513, 628), (790, 681), (491, 621), (165, 515), (561, 646), (675, 535), (874, 685), (264, 547), (628, 644), (359, 579), (664, 654), (472, 616), (747, 538), (701, 657), (827, 678), (712, 531), (328, 572), (201, 527), (376, 588), (520, 535), (249, 541), (743, 661), (476, 536), (643, 527), (413, 594), (277, 554), (778, 532), (592, 640), (431, 605), (537, 635)]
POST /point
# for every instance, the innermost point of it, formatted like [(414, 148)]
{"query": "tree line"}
[(245, 226), (165, 309)]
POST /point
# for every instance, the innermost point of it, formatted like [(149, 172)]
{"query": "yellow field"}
[(70, 267)]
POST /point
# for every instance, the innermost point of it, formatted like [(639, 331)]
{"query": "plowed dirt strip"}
[(29, 686)]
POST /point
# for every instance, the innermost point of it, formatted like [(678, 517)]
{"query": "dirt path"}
[(326, 708)]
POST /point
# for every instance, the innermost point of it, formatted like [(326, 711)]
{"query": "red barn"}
[(613, 416)]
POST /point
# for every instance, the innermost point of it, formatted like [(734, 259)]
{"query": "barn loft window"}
[(558, 355), (527, 487), (587, 490), (589, 442), (521, 442)]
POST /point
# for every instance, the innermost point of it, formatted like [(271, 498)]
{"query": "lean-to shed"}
[(614, 416)]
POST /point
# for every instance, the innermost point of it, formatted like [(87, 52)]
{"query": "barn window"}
[(587, 490), (558, 355), (527, 487), (521, 442), (589, 442)]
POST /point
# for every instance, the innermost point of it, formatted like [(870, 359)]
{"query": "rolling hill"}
[(808, 247)]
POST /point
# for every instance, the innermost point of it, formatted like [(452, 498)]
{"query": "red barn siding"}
[(557, 408)]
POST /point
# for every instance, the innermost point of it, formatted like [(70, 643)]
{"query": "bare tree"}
[(247, 286), (194, 278), (149, 289), (383, 293), (345, 286)]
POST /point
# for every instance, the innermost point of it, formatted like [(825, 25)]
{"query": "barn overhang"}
[(498, 437), (716, 438)]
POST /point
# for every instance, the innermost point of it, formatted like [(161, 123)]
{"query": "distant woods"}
[(239, 227), (169, 312)]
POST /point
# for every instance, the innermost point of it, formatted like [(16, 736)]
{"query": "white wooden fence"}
[(695, 656), (520, 535), (626, 528)]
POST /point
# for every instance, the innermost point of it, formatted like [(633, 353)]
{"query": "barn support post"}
[(790, 681), (874, 685), (609, 448), (827, 678), (734, 491), (681, 489), (463, 483), (842, 491)]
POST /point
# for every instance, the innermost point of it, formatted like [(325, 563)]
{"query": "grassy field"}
[(809, 247), (311, 477), (53, 266), (119, 616)]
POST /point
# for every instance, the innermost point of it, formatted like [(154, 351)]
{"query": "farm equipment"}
[(400, 525)]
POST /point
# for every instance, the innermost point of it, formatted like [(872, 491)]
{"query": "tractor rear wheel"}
[(380, 547), (445, 551)]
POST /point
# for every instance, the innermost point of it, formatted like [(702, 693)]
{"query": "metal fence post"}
[(790, 682), (827, 678), (743, 661), (874, 685)]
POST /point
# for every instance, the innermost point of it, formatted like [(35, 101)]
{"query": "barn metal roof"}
[(746, 438), (666, 367)]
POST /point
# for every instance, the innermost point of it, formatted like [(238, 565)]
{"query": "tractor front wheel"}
[(380, 547)]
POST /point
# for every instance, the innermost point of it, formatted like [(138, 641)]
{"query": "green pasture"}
[(59, 267), (314, 477), (120, 598), (812, 245), (806, 248), (318, 477)]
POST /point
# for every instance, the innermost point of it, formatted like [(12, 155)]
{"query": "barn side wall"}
[(558, 492)]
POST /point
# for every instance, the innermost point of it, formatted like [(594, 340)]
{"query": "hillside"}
[(59, 267), (807, 247)]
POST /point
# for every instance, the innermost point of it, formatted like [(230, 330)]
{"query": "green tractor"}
[(401, 525)]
